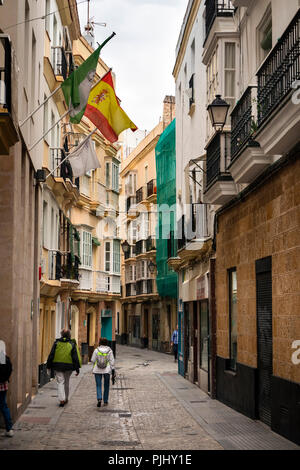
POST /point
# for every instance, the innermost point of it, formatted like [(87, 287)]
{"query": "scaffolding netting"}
[(165, 157)]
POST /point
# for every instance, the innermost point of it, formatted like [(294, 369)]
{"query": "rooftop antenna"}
[(89, 28)]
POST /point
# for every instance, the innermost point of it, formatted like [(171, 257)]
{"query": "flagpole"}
[(42, 104), (64, 115), (70, 154)]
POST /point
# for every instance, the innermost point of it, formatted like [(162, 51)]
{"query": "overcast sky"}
[(142, 54)]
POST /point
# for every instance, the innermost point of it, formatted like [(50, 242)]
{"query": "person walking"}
[(5, 373), (174, 342), (103, 367), (64, 357)]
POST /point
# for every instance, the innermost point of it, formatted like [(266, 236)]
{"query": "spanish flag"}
[(104, 111)]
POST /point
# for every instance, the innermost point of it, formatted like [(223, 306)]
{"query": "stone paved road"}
[(150, 407)]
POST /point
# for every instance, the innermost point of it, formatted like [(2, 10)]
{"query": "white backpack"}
[(102, 358)]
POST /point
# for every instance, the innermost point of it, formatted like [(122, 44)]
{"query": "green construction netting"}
[(165, 157)]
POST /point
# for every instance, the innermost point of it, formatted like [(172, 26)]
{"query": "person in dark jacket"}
[(5, 373), (64, 357)]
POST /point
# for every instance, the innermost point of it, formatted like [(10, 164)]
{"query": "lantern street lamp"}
[(151, 266), (125, 247), (218, 111)]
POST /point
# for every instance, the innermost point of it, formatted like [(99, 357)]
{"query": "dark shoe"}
[(99, 403), (66, 401), (62, 403), (105, 403)]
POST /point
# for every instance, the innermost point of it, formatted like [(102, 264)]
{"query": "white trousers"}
[(63, 380)]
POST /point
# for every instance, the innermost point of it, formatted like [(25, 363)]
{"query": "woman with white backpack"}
[(103, 367)]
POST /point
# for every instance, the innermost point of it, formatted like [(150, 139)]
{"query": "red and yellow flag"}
[(104, 111)]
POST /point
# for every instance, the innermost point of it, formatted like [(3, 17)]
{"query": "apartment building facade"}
[(252, 169), (146, 317), (21, 65), (195, 254)]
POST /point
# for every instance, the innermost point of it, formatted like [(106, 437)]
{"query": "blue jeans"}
[(98, 378), (5, 411)]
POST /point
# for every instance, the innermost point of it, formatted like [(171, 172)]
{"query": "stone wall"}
[(265, 223)]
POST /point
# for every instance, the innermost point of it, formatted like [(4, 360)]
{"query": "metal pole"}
[(42, 104), (70, 155), (64, 115)]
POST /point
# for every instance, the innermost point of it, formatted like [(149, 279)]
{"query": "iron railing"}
[(59, 61), (57, 155), (63, 265), (130, 201), (181, 239), (144, 287), (213, 157), (172, 245), (243, 120), (141, 194), (199, 224), (131, 252), (216, 8), (279, 71), (151, 188), (5, 73)]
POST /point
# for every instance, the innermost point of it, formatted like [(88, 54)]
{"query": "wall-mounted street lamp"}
[(151, 266), (218, 111), (125, 247)]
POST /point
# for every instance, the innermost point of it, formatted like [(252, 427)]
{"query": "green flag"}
[(76, 88)]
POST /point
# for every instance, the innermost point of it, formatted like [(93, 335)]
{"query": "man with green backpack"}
[(63, 359)]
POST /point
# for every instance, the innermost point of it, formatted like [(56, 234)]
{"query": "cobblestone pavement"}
[(150, 407)]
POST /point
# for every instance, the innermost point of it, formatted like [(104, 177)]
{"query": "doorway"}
[(204, 345), (263, 268)]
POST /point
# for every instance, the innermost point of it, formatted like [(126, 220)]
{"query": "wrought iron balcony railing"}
[(217, 157), (130, 201), (5, 73), (141, 194), (59, 61), (57, 155), (140, 247), (62, 265), (151, 188), (199, 223), (243, 120), (216, 8), (279, 71), (181, 240), (172, 245), (131, 252)]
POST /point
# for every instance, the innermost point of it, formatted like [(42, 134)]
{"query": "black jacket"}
[(65, 357), (5, 370)]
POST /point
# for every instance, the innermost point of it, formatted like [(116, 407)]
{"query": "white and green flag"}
[(76, 88)]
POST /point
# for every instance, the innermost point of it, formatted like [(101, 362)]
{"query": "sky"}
[(142, 54)]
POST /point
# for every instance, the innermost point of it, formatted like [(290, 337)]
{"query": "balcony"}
[(144, 287), (151, 189), (106, 283), (57, 155), (131, 207), (172, 246), (130, 289), (192, 231), (215, 8), (150, 244), (141, 194), (247, 158), (8, 134), (62, 266), (277, 82), (131, 253), (220, 187), (59, 61), (140, 247)]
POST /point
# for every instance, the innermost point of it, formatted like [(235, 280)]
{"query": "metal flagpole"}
[(70, 154), (64, 115), (42, 104)]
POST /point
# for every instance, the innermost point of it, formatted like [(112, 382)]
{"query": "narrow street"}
[(150, 407)]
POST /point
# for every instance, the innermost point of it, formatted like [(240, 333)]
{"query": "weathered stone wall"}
[(266, 223)]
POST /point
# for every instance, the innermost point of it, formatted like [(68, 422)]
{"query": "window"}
[(230, 74), (107, 256), (116, 256), (264, 36), (45, 227), (86, 249), (115, 177), (107, 173), (232, 285)]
